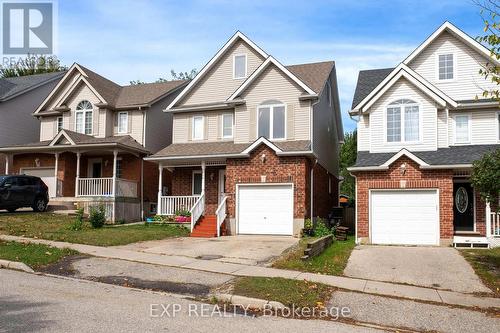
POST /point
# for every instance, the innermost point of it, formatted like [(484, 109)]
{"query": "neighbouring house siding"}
[(159, 124), (468, 82), (17, 124), (272, 84), (403, 90), (484, 126), (218, 84)]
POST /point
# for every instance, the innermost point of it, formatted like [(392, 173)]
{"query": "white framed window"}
[(462, 128), (446, 67), (227, 125), (59, 124), (196, 182), (271, 121), (403, 121), (198, 127), (239, 66), (119, 167), (83, 117), (122, 122)]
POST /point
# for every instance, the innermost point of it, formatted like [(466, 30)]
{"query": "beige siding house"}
[(243, 157)]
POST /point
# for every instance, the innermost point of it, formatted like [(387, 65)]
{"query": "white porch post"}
[(77, 184), (160, 187), (115, 158), (7, 158), (203, 166), (488, 219), (56, 168)]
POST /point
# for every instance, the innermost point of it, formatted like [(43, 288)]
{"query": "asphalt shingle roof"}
[(15, 85), (442, 156), (314, 75), (367, 81)]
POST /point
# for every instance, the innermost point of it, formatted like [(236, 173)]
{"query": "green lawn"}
[(33, 255), (486, 263), (57, 227), (289, 292), (332, 261)]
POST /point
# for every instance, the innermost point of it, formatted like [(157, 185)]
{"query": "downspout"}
[(312, 188), (142, 189), (144, 115)]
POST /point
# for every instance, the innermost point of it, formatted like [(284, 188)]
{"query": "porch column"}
[(77, 184), (56, 168), (160, 187), (203, 177), (488, 219), (7, 158), (115, 155)]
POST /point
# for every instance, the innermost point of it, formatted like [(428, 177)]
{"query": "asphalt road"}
[(36, 303)]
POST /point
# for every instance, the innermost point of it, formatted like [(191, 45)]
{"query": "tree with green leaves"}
[(485, 176), (32, 64), (348, 153), (491, 70)]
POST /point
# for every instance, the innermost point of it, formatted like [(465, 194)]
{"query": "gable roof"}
[(367, 81), (237, 36), (15, 86), (115, 95)]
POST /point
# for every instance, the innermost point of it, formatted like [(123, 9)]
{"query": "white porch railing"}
[(221, 214), (126, 188), (90, 187), (492, 222), (197, 210), (171, 204)]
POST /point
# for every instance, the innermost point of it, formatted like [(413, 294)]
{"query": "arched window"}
[(403, 121), (83, 115), (271, 120)]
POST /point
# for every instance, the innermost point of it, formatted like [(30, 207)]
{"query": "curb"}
[(19, 266), (249, 302)]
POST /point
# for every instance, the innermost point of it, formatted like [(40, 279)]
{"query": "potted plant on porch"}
[(182, 216)]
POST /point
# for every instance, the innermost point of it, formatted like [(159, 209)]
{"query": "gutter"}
[(216, 106), (424, 167)]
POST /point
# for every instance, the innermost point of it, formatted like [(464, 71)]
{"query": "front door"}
[(95, 168), (463, 207)]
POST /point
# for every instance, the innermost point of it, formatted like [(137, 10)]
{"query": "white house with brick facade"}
[(254, 145), (420, 128)]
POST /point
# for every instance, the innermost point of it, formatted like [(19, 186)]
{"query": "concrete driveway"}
[(435, 267), (244, 249)]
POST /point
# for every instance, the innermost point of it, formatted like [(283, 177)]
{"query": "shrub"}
[(308, 224), (159, 218), (183, 212), (97, 216), (78, 223), (321, 229)]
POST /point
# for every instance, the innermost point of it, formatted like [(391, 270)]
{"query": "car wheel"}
[(40, 205), (11, 210)]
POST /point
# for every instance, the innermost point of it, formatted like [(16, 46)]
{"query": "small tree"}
[(485, 176), (32, 64), (348, 158)]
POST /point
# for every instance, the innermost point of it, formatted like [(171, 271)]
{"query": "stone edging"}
[(19, 266), (249, 302)]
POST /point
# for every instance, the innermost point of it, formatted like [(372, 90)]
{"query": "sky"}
[(143, 40)]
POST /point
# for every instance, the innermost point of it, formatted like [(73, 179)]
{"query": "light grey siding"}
[(364, 133), (218, 84), (183, 122), (17, 124), (484, 126)]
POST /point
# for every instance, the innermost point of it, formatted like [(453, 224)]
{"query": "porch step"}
[(470, 242), (206, 227)]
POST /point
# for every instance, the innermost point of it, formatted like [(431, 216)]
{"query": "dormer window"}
[(240, 66), (83, 115), (446, 67)]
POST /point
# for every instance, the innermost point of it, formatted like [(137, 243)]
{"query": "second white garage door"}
[(45, 174), (265, 209), (407, 217)]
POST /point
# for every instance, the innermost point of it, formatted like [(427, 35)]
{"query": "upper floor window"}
[(227, 125), (122, 122), (446, 66), (462, 128), (83, 115), (403, 121), (198, 128), (59, 124), (240, 66), (272, 121)]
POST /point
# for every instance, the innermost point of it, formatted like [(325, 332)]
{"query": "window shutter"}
[(219, 126), (190, 128), (252, 122), (95, 122), (290, 121), (115, 123), (129, 119), (205, 127)]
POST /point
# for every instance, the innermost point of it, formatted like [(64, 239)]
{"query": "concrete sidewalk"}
[(360, 285)]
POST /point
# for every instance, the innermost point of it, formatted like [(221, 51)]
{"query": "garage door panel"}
[(404, 217), (265, 209), (46, 175)]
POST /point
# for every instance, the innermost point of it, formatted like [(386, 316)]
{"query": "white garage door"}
[(47, 175), (265, 209), (408, 217)]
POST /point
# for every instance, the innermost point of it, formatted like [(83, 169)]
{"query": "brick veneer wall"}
[(480, 207), (415, 178)]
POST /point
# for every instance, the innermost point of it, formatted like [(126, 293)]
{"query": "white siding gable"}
[(467, 82)]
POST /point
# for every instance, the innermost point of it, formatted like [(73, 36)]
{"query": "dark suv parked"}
[(23, 191)]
